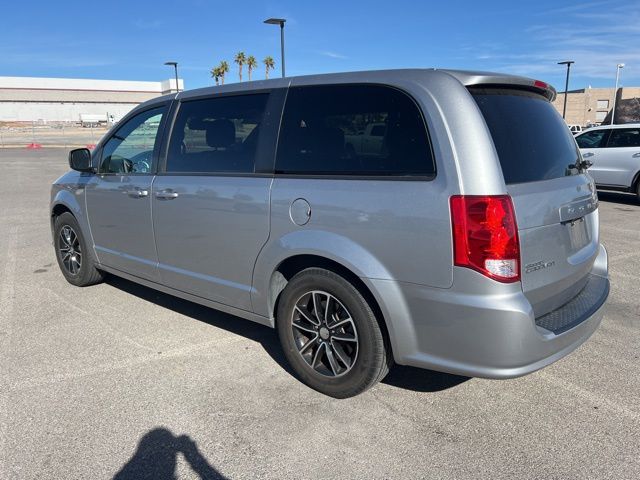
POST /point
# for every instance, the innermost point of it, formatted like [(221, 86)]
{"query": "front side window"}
[(591, 139), (624, 137), (217, 134), (353, 130), (130, 149)]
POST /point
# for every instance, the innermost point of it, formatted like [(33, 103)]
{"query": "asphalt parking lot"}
[(118, 380)]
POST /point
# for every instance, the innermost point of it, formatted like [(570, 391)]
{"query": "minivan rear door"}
[(621, 157), (555, 202)]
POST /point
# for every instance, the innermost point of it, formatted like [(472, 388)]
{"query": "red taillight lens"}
[(485, 236), (541, 84)]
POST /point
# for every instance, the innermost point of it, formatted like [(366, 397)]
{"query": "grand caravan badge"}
[(534, 267)]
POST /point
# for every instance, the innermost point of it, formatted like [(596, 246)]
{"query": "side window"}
[(130, 149), (591, 139), (216, 134), (624, 137), (353, 130)]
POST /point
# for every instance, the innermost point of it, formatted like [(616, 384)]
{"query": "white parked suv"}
[(614, 151)]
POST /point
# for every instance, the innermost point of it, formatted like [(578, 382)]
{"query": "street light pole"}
[(566, 85), (279, 21), (175, 67), (615, 92)]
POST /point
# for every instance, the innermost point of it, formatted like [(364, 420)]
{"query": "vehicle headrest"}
[(221, 133)]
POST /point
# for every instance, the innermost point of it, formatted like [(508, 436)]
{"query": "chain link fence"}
[(50, 135)]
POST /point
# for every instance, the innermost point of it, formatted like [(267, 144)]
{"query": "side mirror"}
[(80, 160)]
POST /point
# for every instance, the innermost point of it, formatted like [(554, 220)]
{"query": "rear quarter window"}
[(532, 140), (356, 130), (624, 137)]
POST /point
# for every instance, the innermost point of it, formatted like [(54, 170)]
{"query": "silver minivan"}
[(614, 151), (434, 218)]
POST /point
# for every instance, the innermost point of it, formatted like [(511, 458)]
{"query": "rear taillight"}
[(485, 236)]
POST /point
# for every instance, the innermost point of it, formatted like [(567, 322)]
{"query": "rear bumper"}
[(492, 332)]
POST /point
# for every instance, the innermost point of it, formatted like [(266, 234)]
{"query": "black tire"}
[(638, 190), (75, 257), (367, 362)]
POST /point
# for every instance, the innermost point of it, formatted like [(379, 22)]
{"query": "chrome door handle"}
[(588, 154), (166, 195), (137, 193)]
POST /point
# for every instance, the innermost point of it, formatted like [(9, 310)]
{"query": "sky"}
[(131, 40)]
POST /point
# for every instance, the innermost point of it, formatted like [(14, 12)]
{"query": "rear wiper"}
[(581, 164)]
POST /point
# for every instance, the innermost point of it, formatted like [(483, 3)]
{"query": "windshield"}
[(532, 140)]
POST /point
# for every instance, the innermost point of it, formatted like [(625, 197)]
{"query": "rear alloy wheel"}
[(75, 259), (325, 334), (330, 335)]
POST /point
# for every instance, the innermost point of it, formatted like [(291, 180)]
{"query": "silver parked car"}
[(466, 242), (614, 151)]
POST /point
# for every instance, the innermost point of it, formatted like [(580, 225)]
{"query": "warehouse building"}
[(590, 106), (44, 100)]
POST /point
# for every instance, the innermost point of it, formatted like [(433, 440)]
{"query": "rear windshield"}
[(531, 138)]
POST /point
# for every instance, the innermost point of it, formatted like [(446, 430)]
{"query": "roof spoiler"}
[(497, 80)]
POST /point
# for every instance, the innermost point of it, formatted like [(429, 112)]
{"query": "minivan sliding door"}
[(211, 202)]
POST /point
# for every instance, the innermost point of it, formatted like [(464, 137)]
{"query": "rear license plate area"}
[(578, 233)]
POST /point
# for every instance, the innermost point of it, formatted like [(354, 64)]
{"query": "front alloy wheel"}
[(75, 259), (70, 250)]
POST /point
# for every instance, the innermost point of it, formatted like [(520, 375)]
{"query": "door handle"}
[(588, 154), (166, 195), (137, 193), (636, 155)]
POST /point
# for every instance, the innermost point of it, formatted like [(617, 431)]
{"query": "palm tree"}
[(240, 59), (215, 73), (251, 64), (223, 68), (268, 64)]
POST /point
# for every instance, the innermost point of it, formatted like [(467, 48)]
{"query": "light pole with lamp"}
[(615, 92), (566, 85), (175, 67), (279, 21)]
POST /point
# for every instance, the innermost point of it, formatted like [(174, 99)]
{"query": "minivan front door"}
[(210, 207), (119, 197)]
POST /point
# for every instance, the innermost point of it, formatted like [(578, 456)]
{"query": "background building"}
[(591, 105), (29, 99)]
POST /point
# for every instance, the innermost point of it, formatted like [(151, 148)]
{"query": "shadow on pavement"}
[(408, 378), (420, 380), (618, 197), (156, 457)]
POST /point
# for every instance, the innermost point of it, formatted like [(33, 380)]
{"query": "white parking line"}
[(213, 345), (7, 301), (593, 398)]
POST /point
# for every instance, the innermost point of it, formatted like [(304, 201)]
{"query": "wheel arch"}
[(294, 264), (635, 184), (65, 201), (58, 210)]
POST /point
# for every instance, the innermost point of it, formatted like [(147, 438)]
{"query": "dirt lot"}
[(61, 135)]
